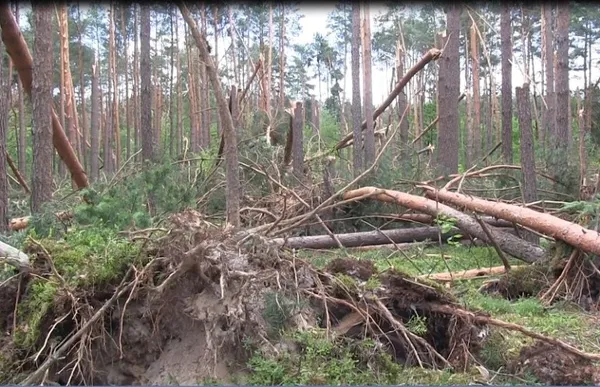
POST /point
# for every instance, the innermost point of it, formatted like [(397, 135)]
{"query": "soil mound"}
[(553, 366)]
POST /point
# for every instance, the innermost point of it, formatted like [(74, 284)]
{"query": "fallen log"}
[(366, 238), (466, 274), (18, 224), (571, 233), (507, 242), (13, 256)]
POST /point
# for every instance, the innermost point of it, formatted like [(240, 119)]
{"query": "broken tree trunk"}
[(508, 243), (14, 257), (432, 54), (17, 49), (574, 234), (367, 238)]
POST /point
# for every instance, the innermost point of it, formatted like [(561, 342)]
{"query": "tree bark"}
[(282, 58), (269, 81), (147, 133), (41, 96), (401, 101), (298, 142), (21, 58), (229, 132), (369, 134), (136, 82), (356, 108), (367, 238), (575, 235), (562, 83), (4, 109), (508, 243), (449, 74), (507, 101), (95, 124), (126, 59), (527, 151), (476, 124)]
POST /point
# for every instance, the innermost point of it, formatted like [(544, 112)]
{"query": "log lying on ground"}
[(466, 274), (571, 233), (507, 242), (14, 257), (367, 238), (18, 224)]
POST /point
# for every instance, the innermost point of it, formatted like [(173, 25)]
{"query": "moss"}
[(39, 301)]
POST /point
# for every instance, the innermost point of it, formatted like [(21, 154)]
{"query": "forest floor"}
[(254, 315)]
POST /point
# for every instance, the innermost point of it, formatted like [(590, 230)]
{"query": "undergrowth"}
[(312, 358)]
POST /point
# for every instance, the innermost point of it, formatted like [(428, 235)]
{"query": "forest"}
[(212, 193)]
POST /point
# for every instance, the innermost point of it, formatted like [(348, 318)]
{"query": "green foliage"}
[(91, 256), (124, 204), (278, 309), (322, 360), (39, 302)]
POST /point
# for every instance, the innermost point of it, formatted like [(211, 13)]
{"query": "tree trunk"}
[(70, 126), (215, 26), (229, 132), (449, 74), (147, 133), (476, 124), (298, 142), (582, 150), (21, 58), (562, 83), (41, 96), (269, 66), (401, 100), (282, 58), (136, 83), (507, 100), (571, 233), (95, 124), (369, 135), (527, 151), (549, 109), (22, 143), (126, 59), (356, 108), (368, 238), (4, 109), (233, 36), (508, 243), (84, 131), (179, 92), (204, 93)]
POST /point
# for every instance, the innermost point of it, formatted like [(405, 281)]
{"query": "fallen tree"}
[(571, 233), (14, 257), (428, 219), (369, 238), (508, 243)]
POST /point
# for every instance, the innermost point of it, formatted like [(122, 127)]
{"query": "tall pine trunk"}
[(449, 74), (41, 97), (507, 101), (369, 133), (356, 108)]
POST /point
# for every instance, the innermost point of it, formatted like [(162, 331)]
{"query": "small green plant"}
[(417, 324)]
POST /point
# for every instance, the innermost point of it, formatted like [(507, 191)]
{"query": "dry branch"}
[(18, 175), (574, 234), (514, 327), (510, 244)]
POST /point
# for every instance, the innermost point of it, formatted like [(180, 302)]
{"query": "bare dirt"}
[(553, 366)]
